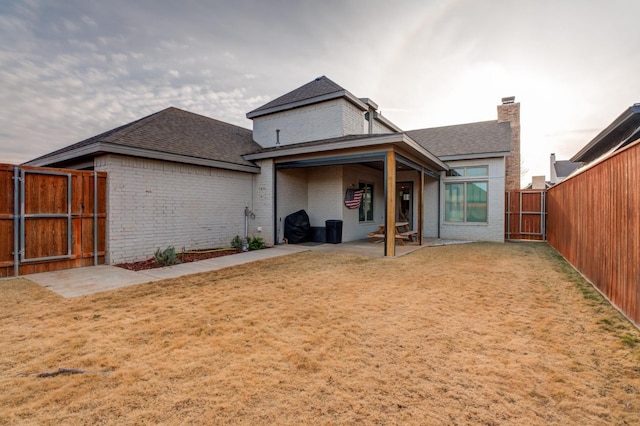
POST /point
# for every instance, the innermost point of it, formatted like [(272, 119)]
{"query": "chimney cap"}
[(508, 100)]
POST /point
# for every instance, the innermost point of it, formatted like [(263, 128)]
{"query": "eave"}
[(622, 131), (96, 148), (392, 138)]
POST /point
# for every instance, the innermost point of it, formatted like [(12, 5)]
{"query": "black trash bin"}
[(334, 231)]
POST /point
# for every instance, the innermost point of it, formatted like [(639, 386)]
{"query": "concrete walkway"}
[(93, 279)]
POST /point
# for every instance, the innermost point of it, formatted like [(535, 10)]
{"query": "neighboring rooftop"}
[(472, 140), (319, 90), (187, 136), (564, 168), (624, 130)]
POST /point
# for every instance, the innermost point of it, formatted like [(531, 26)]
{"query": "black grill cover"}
[(297, 227)]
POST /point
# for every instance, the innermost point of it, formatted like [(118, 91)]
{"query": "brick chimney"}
[(510, 111)]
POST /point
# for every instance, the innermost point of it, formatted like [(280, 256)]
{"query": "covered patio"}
[(392, 170)]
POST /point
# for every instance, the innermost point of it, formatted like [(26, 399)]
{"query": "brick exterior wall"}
[(493, 230), (325, 194), (511, 112), (292, 195), (262, 196), (154, 204), (324, 120), (378, 127)]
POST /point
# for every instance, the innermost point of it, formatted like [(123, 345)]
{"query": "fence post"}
[(95, 218), (16, 231)]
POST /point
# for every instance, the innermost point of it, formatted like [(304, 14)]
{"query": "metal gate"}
[(57, 219), (526, 215)]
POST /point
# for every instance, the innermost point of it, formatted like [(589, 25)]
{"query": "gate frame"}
[(23, 216), (542, 212)]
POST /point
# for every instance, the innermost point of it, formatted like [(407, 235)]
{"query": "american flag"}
[(352, 198)]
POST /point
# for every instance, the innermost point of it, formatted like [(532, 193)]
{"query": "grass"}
[(476, 333)]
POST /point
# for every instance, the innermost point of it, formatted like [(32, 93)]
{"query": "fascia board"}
[(144, 153), (358, 143)]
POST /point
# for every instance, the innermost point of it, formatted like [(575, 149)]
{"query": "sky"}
[(71, 69)]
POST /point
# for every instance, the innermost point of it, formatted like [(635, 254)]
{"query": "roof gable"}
[(319, 90), (173, 131), (465, 140)]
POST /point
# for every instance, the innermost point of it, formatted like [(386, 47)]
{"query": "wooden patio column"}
[(421, 208), (390, 195)]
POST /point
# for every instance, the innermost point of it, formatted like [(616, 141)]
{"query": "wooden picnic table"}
[(402, 234)]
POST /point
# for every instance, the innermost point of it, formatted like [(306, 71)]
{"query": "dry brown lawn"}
[(465, 334)]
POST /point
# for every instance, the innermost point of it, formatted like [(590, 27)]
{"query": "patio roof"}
[(372, 142)]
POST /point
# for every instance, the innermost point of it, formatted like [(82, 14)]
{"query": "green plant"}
[(256, 243), (167, 257), (236, 243)]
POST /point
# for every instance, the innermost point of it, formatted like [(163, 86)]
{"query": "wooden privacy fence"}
[(594, 222), (525, 215), (50, 219)]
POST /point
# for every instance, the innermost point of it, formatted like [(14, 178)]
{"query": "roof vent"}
[(508, 100)]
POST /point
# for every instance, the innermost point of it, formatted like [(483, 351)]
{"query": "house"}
[(178, 178), (561, 169), (623, 131)]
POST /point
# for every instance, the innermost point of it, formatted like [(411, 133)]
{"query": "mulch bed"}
[(182, 258)]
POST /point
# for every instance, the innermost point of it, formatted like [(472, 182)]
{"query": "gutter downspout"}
[(439, 204)]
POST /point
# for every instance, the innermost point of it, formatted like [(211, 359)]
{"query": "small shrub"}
[(167, 257), (236, 243), (256, 243)]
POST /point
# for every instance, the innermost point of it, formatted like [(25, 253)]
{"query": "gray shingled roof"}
[(319, 87), (624, 130), (470, 139), (564, 168), (179, 132)]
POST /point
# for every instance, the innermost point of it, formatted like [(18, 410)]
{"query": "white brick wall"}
[(314, 122), (353, 120), (153, 204), (378, 127), (262, 205), (494, 229), (324, 196), (292, 195)]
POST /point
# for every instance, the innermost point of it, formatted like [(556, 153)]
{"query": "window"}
[(465, 202), (468, 171), (366, 206)]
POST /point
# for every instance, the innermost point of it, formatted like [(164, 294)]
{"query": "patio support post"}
[(390, 196), (421, 208)]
